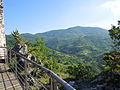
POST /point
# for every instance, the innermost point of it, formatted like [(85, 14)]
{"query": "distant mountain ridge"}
[(85, 42)]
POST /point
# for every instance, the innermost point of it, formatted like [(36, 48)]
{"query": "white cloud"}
[(113, 5)]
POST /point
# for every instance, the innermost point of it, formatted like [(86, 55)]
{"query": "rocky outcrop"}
[(104, 81)]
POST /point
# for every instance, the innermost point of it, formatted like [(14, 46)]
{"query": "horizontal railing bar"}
[(19, 69), (55, 76), (39, 82), (21, 81), (19, 77), (22, 77), (21, 66), (27, 77), (35, 86)]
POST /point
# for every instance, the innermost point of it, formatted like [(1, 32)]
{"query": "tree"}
[(114, 33), (112, 58), (18, 38), (42, 54), (80, 71)]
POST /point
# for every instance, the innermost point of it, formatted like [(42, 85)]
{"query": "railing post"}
[(9, 56), (16, 66), (26, 83), (53, 84), (6, 55)]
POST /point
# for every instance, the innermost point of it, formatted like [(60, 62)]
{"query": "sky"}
[(37, 16)]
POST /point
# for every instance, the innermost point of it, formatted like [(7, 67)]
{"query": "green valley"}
[(74, 45)]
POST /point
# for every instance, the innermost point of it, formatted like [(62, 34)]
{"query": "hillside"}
[(87, 43)]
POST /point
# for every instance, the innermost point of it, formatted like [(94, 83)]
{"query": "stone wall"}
[(2, 33)]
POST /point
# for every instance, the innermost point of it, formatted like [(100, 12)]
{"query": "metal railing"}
[(32, 76)]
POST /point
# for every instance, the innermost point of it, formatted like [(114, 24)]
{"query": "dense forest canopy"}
[(75, 53), (74, 45), (85, 42)]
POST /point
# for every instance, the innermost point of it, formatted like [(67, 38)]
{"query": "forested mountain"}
[(74, 53), (76, 44), (85, 42)]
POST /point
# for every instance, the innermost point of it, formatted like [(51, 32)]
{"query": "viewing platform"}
[(15, 75)]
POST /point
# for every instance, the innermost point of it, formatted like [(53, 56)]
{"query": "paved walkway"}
[(7, 79)]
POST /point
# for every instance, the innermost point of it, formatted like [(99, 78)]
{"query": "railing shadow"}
[(3, 71), (2, 61)]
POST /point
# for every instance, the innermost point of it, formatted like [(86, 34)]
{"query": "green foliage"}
[(115, 36), (18, 38), (77, 45), (112, 59), (39, 50), (80, 71), (53, 65), (88, 43), (83, 42), (10, 41), (42, 53), (65, 59)]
